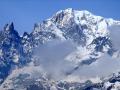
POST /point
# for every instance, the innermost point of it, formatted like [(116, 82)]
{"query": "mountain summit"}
[(88, 38)]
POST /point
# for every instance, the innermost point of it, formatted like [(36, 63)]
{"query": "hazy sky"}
[(24, 13)]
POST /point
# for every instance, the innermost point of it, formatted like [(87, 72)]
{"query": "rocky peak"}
[(9, 27), (25, 35), (10, 32)]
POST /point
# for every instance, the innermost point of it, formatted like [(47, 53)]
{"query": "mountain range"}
[(58, 51)]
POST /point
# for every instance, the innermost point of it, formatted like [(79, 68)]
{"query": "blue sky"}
[(24, 13)]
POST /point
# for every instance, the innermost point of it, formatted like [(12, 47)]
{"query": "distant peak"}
[(69, 10), (25, 34), (66, 16), (9, 26)]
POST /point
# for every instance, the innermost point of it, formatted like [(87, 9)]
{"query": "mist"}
[(49, 61), (51, 57), (115, 36), (104, 66)]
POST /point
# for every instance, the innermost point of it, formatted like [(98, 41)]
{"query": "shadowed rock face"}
[(9, 39), (12, 53)]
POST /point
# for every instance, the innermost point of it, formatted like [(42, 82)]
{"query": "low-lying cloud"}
[(104, 66), (51, 57), (115, 36)]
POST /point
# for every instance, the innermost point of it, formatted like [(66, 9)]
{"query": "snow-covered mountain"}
[(12, 52), (58, 48)]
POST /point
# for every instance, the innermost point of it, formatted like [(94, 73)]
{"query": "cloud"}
[(51, 57), (115, 36), (104, 66)]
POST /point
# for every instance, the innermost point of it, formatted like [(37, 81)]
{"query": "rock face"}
[(88, 32)]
